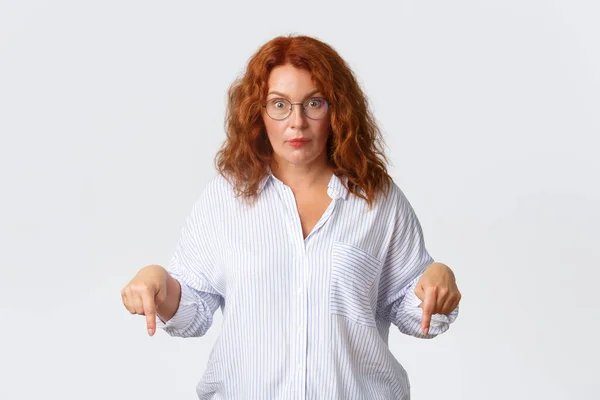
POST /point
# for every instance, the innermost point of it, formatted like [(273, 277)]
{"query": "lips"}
[(297, 142)]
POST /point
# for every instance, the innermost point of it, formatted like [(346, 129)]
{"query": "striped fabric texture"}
[(303, 318)]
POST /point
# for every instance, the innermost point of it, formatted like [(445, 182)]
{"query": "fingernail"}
[(150, 332), (426, 331)]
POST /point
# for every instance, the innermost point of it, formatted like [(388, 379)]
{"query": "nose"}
[(297, 118)]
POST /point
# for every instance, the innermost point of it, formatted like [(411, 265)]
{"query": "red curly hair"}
[(354, 146)]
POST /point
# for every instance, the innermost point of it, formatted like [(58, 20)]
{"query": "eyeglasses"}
[(280, 109)]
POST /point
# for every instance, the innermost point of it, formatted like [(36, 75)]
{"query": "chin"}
[(303, 161), (296, 161), (298, 157)]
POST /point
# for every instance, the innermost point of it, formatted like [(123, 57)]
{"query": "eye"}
[(278, 103), (315, 103)]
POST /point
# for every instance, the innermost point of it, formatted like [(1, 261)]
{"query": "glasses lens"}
[(278, 108), (315, 108)]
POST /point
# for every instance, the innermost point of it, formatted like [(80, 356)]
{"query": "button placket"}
[(296, 224), (301, 320)]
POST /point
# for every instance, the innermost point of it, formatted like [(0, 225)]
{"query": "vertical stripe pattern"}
[(303, 318)]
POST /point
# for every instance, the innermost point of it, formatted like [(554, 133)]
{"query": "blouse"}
[(303, 318)]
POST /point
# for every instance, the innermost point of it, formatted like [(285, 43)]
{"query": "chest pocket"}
[(352, 291)]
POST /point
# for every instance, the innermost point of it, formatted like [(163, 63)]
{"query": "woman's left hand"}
[(438, 291)]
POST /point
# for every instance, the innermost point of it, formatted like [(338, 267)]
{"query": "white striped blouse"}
[(302, 318)]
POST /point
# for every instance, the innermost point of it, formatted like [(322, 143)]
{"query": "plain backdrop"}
[(110, 116)]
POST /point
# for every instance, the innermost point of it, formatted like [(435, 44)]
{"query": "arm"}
[(169, 306), (192, 298), (403, 272), (407, 314), (194, 311)]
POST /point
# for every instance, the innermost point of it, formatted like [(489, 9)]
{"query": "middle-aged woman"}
[(303, 240)]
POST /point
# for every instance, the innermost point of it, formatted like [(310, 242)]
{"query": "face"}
[(296, 85)]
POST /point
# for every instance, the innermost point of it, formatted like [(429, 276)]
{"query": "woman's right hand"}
[(145, 292)]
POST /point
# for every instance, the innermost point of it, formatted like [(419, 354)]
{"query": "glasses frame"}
[(301, 106)]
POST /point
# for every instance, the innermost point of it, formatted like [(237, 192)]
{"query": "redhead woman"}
[(303, 240)]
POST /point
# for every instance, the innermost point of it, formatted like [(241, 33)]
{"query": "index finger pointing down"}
[(428, 306), (150, 313)]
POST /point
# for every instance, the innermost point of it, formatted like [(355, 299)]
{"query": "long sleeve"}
[(193, 266), (406, 260), (406, 314)]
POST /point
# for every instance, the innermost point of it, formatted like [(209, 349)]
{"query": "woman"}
[(303, 240)]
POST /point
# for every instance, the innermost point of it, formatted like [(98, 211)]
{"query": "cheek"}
[(268, 124), (323, 131), (274, 129)]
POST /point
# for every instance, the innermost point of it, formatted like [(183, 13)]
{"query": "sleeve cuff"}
[(185, 312), (413, 306)]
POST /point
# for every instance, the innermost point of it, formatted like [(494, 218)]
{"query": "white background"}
[(111, 113)]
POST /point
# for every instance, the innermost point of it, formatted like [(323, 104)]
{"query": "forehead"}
[(289, 79)]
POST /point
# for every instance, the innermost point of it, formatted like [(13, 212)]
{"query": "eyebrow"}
[(284, 95)]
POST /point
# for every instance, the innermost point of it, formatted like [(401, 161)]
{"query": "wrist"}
[(169, 306)]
